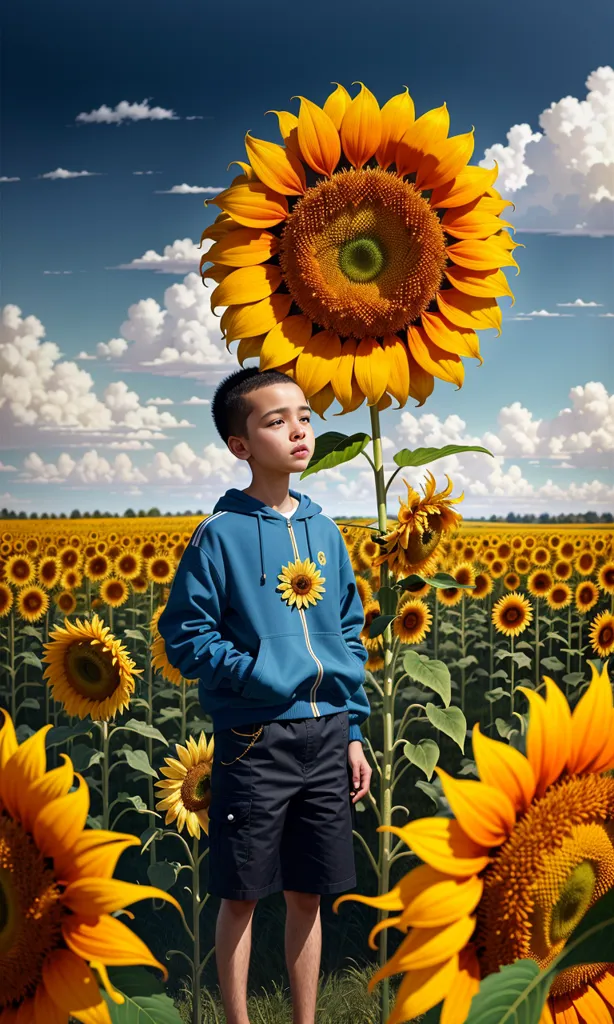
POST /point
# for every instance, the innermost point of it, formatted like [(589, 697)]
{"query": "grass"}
[(342, 999)]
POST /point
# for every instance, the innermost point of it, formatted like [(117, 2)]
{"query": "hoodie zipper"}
[(301, 611)]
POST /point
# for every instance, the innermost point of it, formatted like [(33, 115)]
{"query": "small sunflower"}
[(449, 596), (128, 565), (57, 893), (6, 600), (186, 791), (559, 596), (541, 555), (114, 591), (605, 577), (504, 550), (140, 584), (66, 602), (482, 586), (567, 549), (321, 558), (19, 570), (539, 583), (586, 596), (160, 569), (511, 581), (522, 565), (531, 844), (585, 563), (413, 620), (32, 603), (562, 569), (71, 579), (97, 567), (498, 568), (601, 634), (301, 583), (410, 545), (48, 571), (511, 614), (89, 671), (68, 557)]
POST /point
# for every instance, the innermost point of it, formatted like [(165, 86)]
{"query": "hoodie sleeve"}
[(352, 622), (190, 626)]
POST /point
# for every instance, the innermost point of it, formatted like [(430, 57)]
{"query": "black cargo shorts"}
[(281, 815)]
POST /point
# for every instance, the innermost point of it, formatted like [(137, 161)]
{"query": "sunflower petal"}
[(288, 129), (444, 365), (591, 723), (244, 247), (58, 824), (251, 318), (434, 900), (397, 115), (253, 205), (95, 1015), (461, 341), (70, 981), (318, 138), (475, 254), (420, 991), (469, 310), (8, 742), (425, 947), (371, 369), (337, 104), (548, 734), (90, 897), (361, 128), (442, 843), (504, 768), (317, 362), (46, 1011), (25, 766), (341, 379), (469, 184), (285, 341), (247, 284), (419, 139), (50, 786), (94, 854), (278, 168), (484, 813), (487, 283), (591, 1006), (455, 1009), (249, 347), (421, 383), (398, 367), (108, 940), (444, 160)]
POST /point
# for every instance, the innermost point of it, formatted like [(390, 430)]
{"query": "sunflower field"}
[(105, 754)]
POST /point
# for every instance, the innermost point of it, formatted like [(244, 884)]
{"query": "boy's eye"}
[(272, 424)]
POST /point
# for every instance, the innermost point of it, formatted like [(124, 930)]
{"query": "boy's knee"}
[(302, 900), (239, 907)]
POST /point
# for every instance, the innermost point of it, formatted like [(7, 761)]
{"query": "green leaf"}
[(424, 755), (422, 456), (378, 624), (556, 636), (31, 631), (552, 664), (573, 678), (469, 659), (333, 449), (137, 802), (135, 634), (29, 658), (431, 673), (146, 1001), (521, 660), (62, 733), (30, 702), (162, 874), (451, 721), (143, 729), (387, 598), (496, 694), (138, 760)]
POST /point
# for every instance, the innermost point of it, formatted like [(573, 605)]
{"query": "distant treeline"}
[(153, 513)]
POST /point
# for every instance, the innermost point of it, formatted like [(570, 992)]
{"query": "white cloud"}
[(159, 401), (125, 111), (580, 303), (542, 312), (4, 179), (147, 172), (194, 400), (184, 189), (6, 469), (112, 349), (54, 272), (562, 178), (605, 314), (182, 256), (84, 356), (61, 173)]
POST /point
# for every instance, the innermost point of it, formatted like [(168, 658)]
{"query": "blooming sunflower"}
[(363, 253), (586, 596), (529, 850), (19, 570), (66, 602), (128, 565), (32, 603), (186, 791), (563, 569), (601, 634), (511, 581), (605, 577), (89, 670), (6, 600), (114, 591), (71, 579), (511, 614), (413, 620), (140, 584), (301, 583), (97, 567), (410, 545), (482, 586), (559, 596), (69, 557), (585, 563), (57, 893), (48, 571), (539, 582), (160, 569), (541, 555)]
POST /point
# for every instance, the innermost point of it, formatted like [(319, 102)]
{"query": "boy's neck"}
[(276, 497)]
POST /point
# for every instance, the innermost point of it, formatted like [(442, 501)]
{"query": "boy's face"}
[(274, 434)]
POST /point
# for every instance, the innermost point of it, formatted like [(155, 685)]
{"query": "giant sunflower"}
[(89, 670), (601, 634), (410, 545), (57, 892), (529, 850), (186, 791), (362, 254)]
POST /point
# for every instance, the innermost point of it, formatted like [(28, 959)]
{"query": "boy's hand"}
[(361, 770)]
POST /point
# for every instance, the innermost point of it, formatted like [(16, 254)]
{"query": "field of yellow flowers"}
[(98, 732)]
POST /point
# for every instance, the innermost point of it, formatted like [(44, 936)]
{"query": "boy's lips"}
[(300, 452)]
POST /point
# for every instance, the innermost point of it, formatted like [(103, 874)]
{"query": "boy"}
[(265, 612)]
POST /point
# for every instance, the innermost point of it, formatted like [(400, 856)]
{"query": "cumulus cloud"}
[(159, 401), (195, 400), (147, 172), (539, 312), (57, 271), (182, 256), (580, 303), (125, 111), (184, 189), (562, 178), (61, 173), (4, 179)]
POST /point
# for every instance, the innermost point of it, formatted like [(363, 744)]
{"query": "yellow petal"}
[(288, 129), (285, 341), (94, 854), (425, 947), (455, 1009), (419, 139), (59, 823), (467, 185), (481, 255), (548, 734), (421, 383), (361, 128), (443, 844), (50, 786), (591, 723), (317, 362), (8, 742), (434, 900), (318, 138), (505, 768), (247, 284), (244, 247), (248, 348), (27, 765), (278, 168), (248, 172), (371, 369), (472, 222), (469, 310), (436, 361), (420, 991), (444, 159), (253, 318), (397, 115), (342, 377), (96, 1015), (484, 813), (222, 226), (337, 104), (70, 981), (90, 897), (460, 340), (108, 940), (487, 283), (398, 368), (253, 205), (320, 400), (591, 1007), (46, 1011), (216, 273)]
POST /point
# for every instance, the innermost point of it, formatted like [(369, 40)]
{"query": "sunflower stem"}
[(580, 620), (105, 774), (149, 718), (462, 646), (512, 664), (182, 696), (12, 665), (537, 659), (568, 646), (435, 624), (196, 908)]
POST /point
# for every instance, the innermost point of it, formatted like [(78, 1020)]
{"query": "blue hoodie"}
[(226, 624)]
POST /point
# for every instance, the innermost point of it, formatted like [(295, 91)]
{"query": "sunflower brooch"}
[(301, 583)]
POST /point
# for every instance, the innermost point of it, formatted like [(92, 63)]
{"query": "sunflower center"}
[(363, 253), (301, 584), (573, 901), (91, 672), (196, 788), (606, 636), (512, 615), (30, 913)]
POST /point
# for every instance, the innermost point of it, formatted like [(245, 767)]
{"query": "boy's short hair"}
[(230, 406)]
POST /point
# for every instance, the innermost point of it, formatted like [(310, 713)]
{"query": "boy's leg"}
[(233, 939), (303, 946)]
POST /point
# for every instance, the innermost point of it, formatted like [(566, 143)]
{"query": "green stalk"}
[(568, 639), (537, 658), (462, 646), (105, 774), (512, 664), (183, 705), (149, 717), (435, 623), (12, 665)]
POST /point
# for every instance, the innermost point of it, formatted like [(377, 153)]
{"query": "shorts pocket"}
[(344, 672), (229, 822)]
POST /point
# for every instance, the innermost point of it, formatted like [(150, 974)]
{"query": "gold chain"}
[(254, 738)]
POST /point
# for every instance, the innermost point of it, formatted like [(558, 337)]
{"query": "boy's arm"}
[(190, 625), (352, 622)]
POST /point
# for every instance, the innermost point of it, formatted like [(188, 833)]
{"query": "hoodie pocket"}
[(343, 673), (282, 666)]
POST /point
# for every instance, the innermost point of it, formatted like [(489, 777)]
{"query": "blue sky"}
[(213, 73)]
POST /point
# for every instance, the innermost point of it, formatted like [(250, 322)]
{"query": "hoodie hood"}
[(235, 500)]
